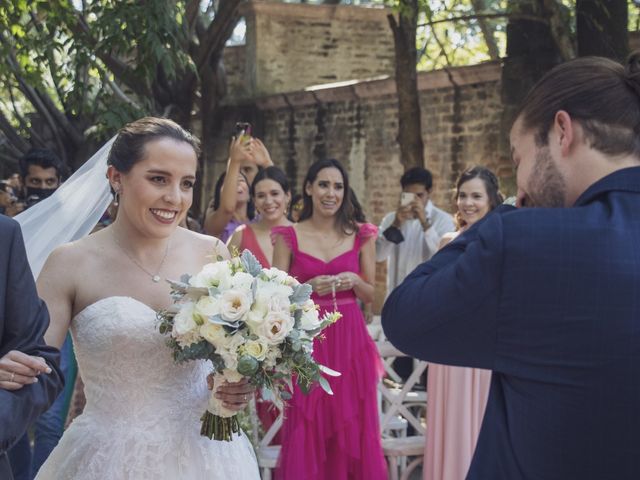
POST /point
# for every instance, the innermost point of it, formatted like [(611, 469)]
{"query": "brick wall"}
[(357, 124), (292, 46)]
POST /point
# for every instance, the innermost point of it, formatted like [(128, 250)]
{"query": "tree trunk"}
[(409, 123), (602, 28), (531, 52)]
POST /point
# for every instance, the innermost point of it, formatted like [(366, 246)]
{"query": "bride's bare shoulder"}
[(204, 245), (77, 252)]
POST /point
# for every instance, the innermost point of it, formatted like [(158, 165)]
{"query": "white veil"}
[(70, 212)]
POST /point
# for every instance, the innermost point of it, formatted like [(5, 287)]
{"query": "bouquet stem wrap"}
[(218, 422)]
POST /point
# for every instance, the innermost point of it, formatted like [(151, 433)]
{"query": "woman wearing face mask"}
[(333, 437), (457, 395)]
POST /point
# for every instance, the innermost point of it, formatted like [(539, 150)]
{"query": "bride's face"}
[(158, 190)]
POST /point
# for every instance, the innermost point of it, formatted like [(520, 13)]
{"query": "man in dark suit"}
[(549, 298), (30, 378)]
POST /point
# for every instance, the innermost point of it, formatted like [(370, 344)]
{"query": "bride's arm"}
[(55, 287)]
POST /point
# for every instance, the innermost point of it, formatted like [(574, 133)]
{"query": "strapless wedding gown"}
[(142, 417)]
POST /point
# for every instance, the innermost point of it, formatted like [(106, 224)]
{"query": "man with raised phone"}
[(411, 234)]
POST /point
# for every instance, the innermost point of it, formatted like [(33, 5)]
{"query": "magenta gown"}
[(335, 437)]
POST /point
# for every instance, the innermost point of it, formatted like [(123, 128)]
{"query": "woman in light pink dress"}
[(457, 396)]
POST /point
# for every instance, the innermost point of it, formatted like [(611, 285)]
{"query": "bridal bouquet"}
[(250, 322)]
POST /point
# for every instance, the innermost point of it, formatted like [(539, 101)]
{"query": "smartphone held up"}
[(242, 129), (406, 198)]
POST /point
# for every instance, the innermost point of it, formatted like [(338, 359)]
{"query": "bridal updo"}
[(128, 147)]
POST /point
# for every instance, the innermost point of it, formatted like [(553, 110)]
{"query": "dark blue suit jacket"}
[(549, 299), (23, 321)]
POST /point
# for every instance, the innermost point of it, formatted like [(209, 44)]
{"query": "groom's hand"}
[(235, 396), (18, 369)]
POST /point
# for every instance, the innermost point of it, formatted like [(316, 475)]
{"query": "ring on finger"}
[(13, 375)]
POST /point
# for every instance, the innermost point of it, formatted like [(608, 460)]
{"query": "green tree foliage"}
[(76, 70)]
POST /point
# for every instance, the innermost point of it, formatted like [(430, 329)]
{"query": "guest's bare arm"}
[(362, 284), (281, 254)]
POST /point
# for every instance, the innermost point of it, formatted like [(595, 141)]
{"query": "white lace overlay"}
[(142, 418)]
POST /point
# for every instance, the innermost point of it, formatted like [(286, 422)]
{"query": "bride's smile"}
[(157, 192)]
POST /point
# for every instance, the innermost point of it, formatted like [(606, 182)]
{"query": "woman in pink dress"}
[(333, 437), (458, 395), (271, 198)]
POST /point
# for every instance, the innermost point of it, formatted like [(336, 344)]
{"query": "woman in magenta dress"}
[(333, 437), (458, 395), (271, 198)]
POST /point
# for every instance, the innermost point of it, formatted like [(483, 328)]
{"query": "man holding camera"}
[(411, 235)]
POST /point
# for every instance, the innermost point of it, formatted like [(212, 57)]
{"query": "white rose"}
[(207, 307), (229, 352), (234, 304), (216, 274), (271, 289), (310, 319), (272, 357), (242, 281), (184, 321), (275, 327), (214, 334), (256, 349), (188, 338), (279, 303), (275, 274)]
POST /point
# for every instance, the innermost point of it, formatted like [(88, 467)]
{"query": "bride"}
[(142, 417)]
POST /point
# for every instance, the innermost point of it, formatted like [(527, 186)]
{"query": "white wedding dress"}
[(142, 417)]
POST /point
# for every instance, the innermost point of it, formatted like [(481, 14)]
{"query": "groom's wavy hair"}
[(128, 147), (599, 93)]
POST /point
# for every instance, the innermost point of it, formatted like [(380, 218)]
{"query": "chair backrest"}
[(398, 401)]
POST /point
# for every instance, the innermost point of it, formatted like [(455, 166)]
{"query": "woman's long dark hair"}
[(491, 185), (345, 216)]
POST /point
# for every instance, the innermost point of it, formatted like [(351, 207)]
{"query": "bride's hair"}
[(128, 147)]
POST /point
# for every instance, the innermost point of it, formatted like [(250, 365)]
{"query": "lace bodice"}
[(126, 367), (142, 417)]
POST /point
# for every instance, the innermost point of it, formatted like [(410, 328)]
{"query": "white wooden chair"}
[(267, 454), (400, 403)]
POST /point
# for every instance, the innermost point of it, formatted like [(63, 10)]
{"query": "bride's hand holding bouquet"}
[(250, 322)]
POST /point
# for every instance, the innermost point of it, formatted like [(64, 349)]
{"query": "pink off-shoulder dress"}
[(335, 437)]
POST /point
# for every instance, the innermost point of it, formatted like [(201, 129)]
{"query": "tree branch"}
[(509, 16), (20, 118), (218, 32), (51, 63), (11, 134), (487, 32), (121, 70)]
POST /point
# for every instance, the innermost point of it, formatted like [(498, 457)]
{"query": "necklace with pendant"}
[(155, 278)]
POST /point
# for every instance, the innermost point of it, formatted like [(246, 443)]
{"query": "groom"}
[(30, 378), (549, 298)]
